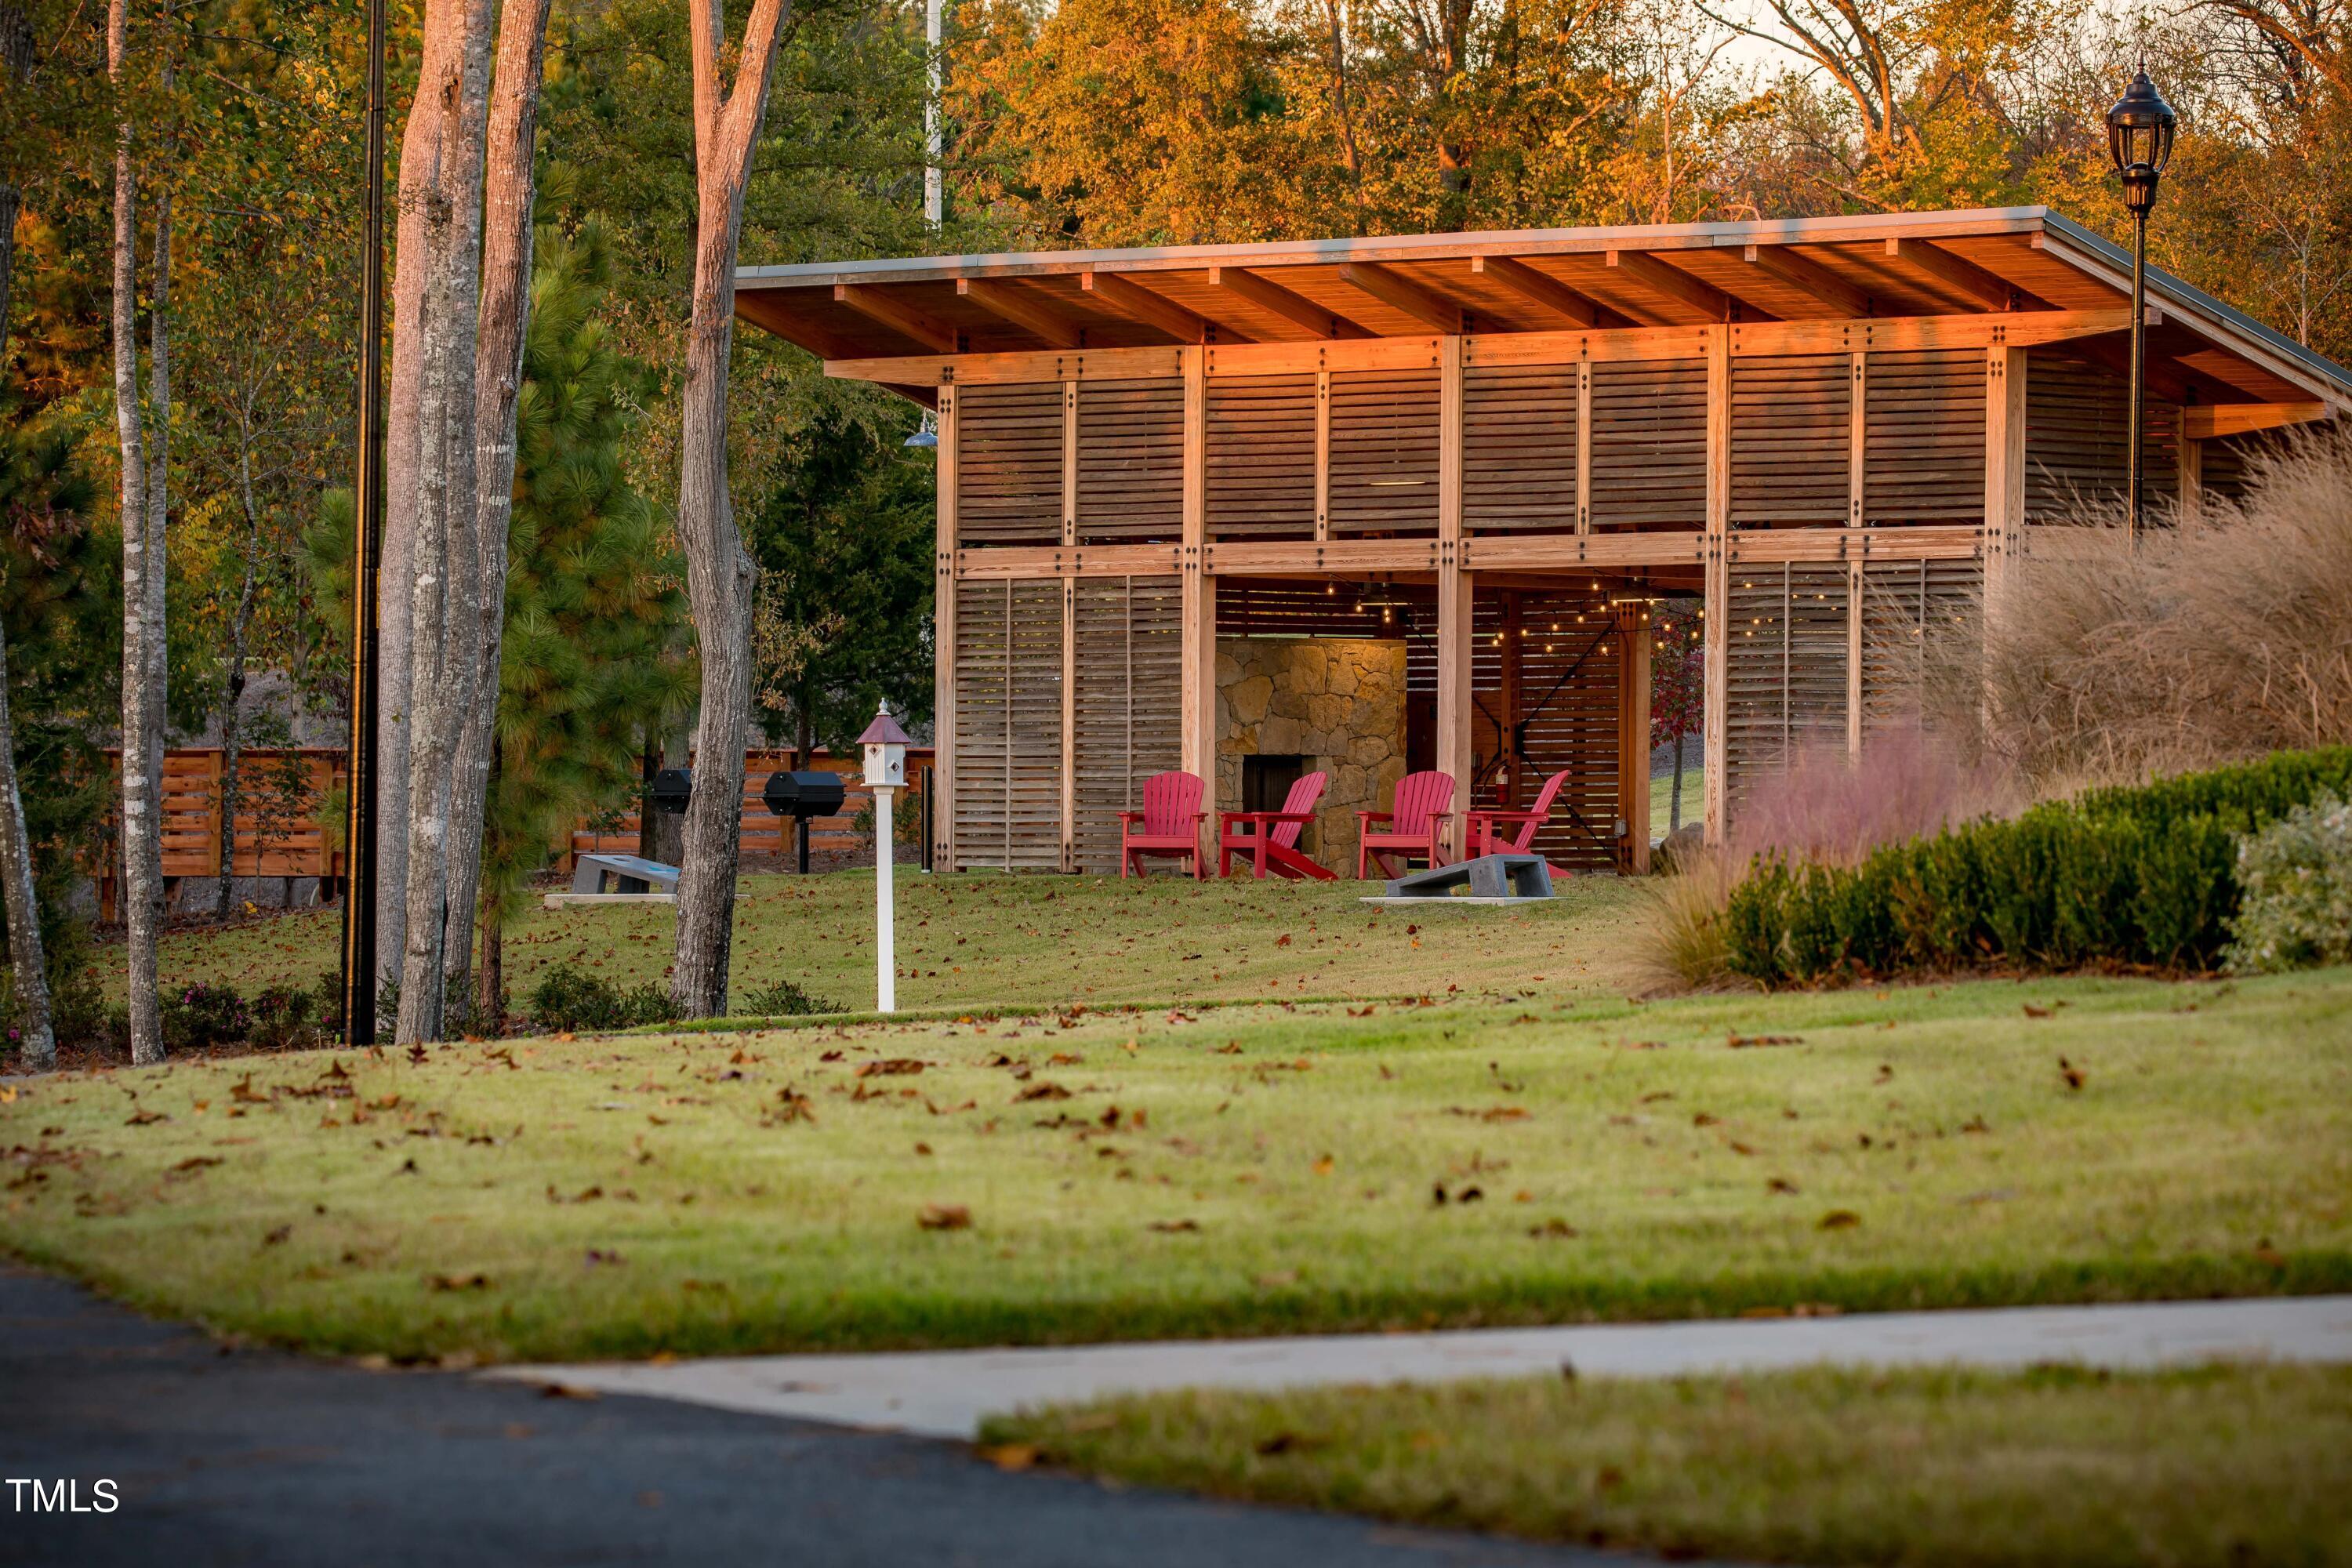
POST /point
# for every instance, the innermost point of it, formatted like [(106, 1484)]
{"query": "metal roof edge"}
[(1994, 220), (2188, 294)]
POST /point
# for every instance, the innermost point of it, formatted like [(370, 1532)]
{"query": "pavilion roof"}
[(1882, 264)]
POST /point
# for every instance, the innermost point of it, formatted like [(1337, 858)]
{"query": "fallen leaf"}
[(2034, 1012), (1171, 1226), (1744, 1042), (1322, 1167), (1840, 1219), (889, 1067), (567, 1391), (1290, 1443), (457, 1282), (2071, 1073), (1041, 1091), (1012, 1456), (1558, 1229), (146, 1118), (944, 1217)]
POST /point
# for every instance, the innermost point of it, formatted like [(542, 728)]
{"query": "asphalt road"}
[(223, 1456)]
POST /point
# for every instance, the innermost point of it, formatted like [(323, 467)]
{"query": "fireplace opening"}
[(1267, 780)]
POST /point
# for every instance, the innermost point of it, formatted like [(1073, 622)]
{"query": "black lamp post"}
[(359, 975), (2140, 139)]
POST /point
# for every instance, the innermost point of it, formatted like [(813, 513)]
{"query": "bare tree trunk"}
[(1675, 804), (37, 1042), (442, 556), (232, 695), (142, 761), (719, 574), (507, 189), (669, 831), (490, 978)]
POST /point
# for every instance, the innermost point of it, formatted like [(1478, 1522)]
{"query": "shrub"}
[(198, 1015), (282, 1020), (2147, 876), (2296, 909), (568, 997), (783, 1000)]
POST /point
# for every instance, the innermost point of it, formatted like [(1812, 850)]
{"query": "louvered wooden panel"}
[(2231, 462), (1785, 683), (1912, 611), (2077, 425), (1008, 758), (1791, 440), (1260, 434), (1009, 464), (1924, 437), (1384, 452), (1649, 444), (1129, 672), (1130, 462), (1518, 448)]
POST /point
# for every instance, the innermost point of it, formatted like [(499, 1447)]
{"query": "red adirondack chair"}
[(1169, 824), (1415, 819), (1270, 838), (1517, 828)]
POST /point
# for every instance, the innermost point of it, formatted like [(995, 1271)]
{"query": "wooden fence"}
[(281, 794)]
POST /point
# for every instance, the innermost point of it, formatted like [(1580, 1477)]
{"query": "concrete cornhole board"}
[(1486, 882), (634, 880)]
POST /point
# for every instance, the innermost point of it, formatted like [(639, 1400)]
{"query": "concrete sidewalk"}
[(944, 1393)]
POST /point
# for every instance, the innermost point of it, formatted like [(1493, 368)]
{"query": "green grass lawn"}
[(2220, 1465), (1662, 798), (982, 941), (1227, 1171)]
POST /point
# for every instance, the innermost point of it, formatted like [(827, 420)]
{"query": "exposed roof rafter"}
[(1673, 283), (875, 305), (1401, 293), (1122, 297), (1540, 289), (1300, 312), (1809, 276), (1959, 277), (1011, 302)]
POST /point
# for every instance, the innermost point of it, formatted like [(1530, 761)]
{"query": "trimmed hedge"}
[(2146, 875)]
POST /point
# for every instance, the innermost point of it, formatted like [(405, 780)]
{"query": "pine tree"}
[(594, 602)]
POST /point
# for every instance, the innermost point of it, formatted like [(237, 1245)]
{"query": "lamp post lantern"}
[(886, 775), (2140, 139)]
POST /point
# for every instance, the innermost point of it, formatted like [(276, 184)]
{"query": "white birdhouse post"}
[(886, 775)]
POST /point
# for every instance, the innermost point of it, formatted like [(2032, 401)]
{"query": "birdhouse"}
[(886, 752)]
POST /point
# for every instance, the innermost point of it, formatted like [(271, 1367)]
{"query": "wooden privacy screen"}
[(1009, 476), (1131, 462), (1791, 680), (2076, 440), (1649, 444), (1545, 676), (1128, 661), (1792, 441), (1383, 444), (2227, 464), (1260, 440), (1924, 448), (1520, 447), (1008, 726), (1785, 667)]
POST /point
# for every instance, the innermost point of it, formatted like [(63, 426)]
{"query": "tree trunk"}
[(445, 572), (233, 696), (669, 831), (648, 763), (38, 1045), (498, 373), (719, 574), (490, 979), (142, 762)]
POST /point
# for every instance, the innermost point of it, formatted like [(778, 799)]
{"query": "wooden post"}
[(1717, 610), (1857, 451), (1069, 723), (1069, 462), (1197, 697), (1455, 748), (1506, 707), (1322, 455), (943, 640), (1857, 495), (2004, 531), (1854, 584), (1583, 445), (1633, 738), (2192, 479)]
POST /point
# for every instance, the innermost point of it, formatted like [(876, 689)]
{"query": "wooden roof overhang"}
[(2011, 274)]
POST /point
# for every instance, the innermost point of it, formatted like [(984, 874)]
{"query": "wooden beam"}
[(2207, 420), (1673, 282), (1398, 292), (1196, 712), (1121, 297), (1717, 609), (1802, 272), (2005, 382), (1069, 723), (1957, 277), (1633, 737), (1540, 289), (878, 305), (1455, 747), (943, 643), (1008, 302), (1308, 317)]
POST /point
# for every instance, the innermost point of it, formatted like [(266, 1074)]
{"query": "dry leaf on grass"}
[(944, 1217)]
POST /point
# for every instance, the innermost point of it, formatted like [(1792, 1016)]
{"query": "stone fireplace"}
[(1337, 704)]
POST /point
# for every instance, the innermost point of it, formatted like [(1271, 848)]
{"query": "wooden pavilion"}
[(1372, 504)]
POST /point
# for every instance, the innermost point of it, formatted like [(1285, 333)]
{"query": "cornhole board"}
[(635, 880), (1485, 882)]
